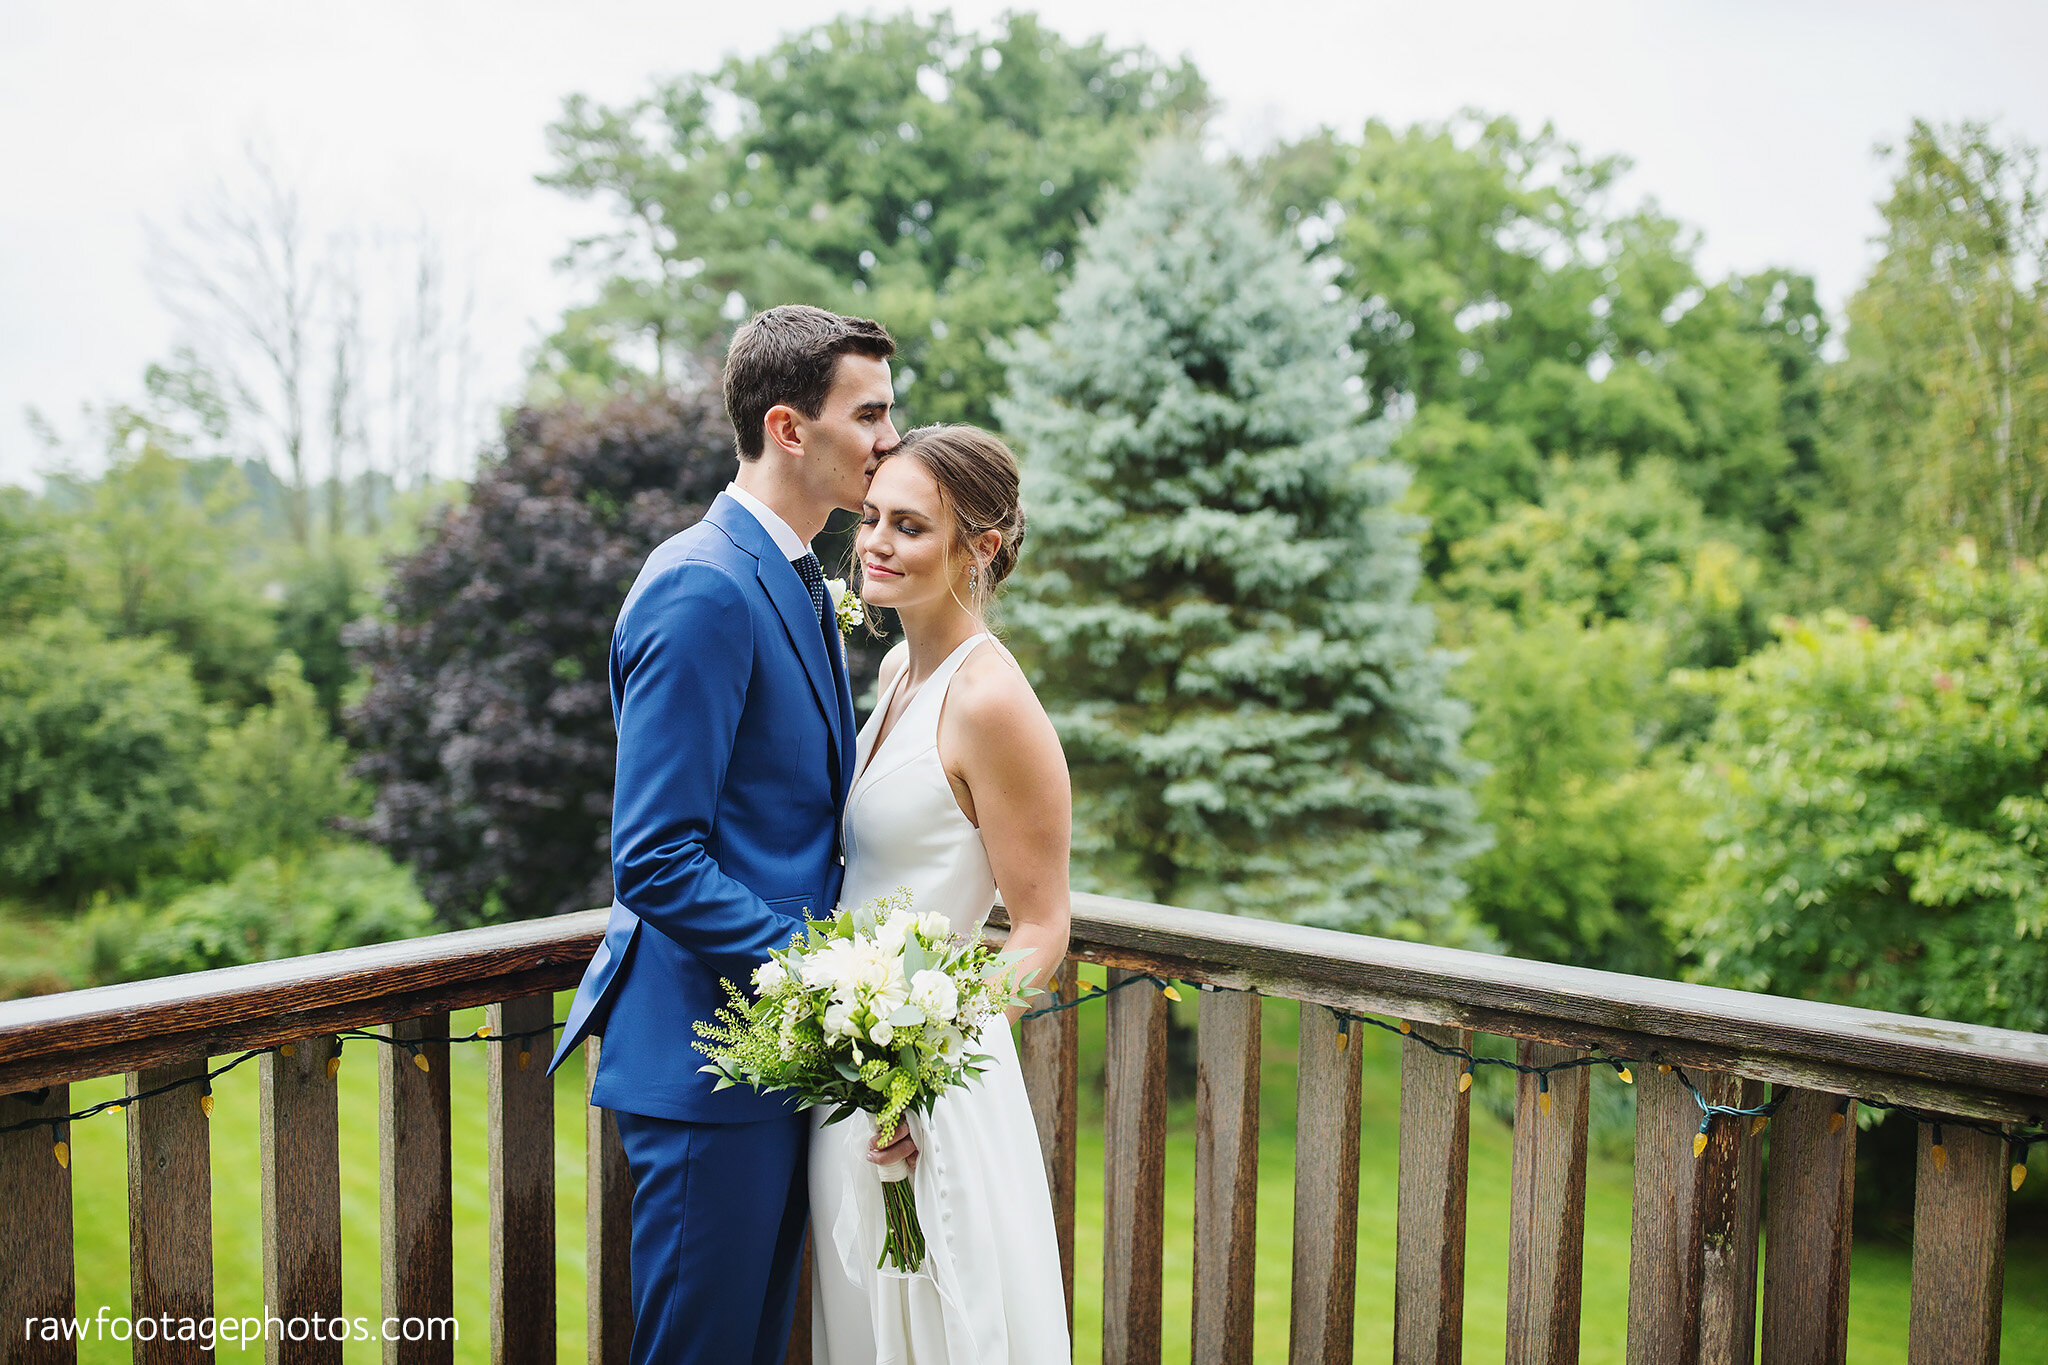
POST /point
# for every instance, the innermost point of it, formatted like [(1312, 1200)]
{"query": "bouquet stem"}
[(903, 1238)]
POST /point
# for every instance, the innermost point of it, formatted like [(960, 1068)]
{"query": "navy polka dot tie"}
[(813, 575)]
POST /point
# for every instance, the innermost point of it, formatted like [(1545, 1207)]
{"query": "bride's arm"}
[(998, 744)]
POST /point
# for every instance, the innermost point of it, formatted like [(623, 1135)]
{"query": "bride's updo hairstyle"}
[(978, 485)]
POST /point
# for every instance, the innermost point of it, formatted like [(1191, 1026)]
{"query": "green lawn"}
[(1877, 1304)]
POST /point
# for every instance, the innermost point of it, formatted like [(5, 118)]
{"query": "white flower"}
[(951, 1042), (933, 927), (882, 1032), (847, 606), (935, 994), (769, 977), (873, 967), (829, 966), (838, 1021), (889, 935)]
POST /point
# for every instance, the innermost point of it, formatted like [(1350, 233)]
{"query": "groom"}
[(735, 751)]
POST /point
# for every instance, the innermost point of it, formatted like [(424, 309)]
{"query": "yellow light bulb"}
[(1663, 1068), (115, 1108), (1171, 994), (63, 1150), (483, 1030), (1940, 1155), (1543, 1101), (1407, 1027), (1699, 1143), (524, 1058), (2019, 1175), (1758, 1124), (285, 1051), (419, 1059), (1464, 1082), (1343, 1038), (1627, 1077), (1835, 1122), (333, 1065), (206, 1105)]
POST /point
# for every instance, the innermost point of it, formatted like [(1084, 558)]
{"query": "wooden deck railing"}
[(1693, 1284)]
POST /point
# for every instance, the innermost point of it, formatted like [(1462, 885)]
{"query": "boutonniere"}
[(847, 606)]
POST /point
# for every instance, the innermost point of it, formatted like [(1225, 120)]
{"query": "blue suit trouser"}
[(718, 1237)]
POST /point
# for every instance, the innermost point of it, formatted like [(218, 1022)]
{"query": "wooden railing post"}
[(37, 1281), (519, 1129), (1547, 1211), (1429, 1245), (1049, 1051), (607, 1230), (1226, 1176), (1958, 1248), (1325, 1190), (299, 1123), (1134, 1174), (1812, 1193), (170, 1211), (415, 1192), (1693, 1246)]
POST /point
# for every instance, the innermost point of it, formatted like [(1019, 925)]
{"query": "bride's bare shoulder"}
[(991, 698)]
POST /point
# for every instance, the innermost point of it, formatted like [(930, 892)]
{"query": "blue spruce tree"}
[(1217, 598)]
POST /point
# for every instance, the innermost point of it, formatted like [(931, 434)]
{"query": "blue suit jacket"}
[(735, 752)]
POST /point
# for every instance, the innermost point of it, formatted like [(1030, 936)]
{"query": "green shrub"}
[(1881, 807), (339, 897), (1594, 839), (274, 783), (99, 744)]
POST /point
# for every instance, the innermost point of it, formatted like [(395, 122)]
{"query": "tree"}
[(165, 545), (311, 348), (1879, 801), (36, 577), (273, 784), (486, 725), (1599, 546), (1523, 317), (1943, 399), (894, 167), (1594, 837), (1215, 601), (99, 742)]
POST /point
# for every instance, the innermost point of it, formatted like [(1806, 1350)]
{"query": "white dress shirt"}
[(778, 530)]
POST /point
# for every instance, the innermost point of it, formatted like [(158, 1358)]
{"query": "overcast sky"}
[(1754, 122)]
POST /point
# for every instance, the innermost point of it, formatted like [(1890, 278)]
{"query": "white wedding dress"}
[(990, 1291)]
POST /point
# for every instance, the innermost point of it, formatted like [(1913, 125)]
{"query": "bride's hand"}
[(901, 1148)]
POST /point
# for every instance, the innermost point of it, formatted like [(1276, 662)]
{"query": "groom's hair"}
[(788, 355)]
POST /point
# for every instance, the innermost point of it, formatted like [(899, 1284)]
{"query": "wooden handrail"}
[(1962, 1069), (75, 1035)]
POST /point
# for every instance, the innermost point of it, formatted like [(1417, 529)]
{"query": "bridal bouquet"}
[(876, 1011)]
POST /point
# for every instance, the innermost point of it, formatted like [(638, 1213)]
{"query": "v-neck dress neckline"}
[(871, 747)]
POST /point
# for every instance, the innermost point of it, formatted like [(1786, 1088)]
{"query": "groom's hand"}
[(900, 1148)]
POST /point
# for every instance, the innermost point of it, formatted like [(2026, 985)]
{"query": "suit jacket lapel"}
[(793, 604), (843, 696)]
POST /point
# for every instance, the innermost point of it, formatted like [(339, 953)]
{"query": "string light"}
[(2019, 1139), (204, 1080)]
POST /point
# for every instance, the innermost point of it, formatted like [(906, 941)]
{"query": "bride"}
[(960, 793)]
